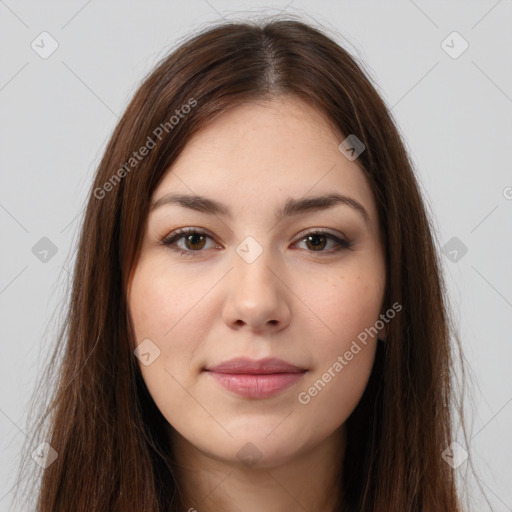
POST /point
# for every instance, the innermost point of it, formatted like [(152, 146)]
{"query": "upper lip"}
[(252, 366)]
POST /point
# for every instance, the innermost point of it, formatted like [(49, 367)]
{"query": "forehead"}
[(256, 154)]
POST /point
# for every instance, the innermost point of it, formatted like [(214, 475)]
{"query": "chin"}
[(258, 451)]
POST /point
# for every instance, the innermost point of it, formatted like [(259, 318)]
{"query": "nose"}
[(257, 297)]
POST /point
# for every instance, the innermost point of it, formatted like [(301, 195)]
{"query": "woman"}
[(258, 318)]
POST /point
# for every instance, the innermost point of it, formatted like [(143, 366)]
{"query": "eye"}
[(319, 238), (194, 240)]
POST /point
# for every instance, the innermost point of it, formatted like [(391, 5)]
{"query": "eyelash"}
[(169, 241)]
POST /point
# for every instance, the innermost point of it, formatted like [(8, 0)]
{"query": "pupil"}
[(191, 240)]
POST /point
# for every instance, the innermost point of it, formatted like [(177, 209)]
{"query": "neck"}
[(308, 481)]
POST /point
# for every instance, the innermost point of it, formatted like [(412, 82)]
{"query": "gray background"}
[(455, 115)]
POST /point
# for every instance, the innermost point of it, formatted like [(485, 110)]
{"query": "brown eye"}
[(317, 241), (195, 241)]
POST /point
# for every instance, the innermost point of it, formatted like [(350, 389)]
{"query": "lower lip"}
[(256, 386)]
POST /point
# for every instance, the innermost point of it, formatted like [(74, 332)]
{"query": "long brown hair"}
[(110, 438)]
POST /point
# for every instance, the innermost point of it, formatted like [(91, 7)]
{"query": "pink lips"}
[(255, 379)]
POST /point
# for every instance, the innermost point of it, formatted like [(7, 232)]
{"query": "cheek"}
[(349, 307), (345, 306), (160, 307), (161, 304), (161, 301), (332, 393)]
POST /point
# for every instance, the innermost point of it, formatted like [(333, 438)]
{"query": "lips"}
[(255, 379), (252, 367)]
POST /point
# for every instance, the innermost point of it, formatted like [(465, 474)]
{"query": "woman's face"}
[(256, 283)]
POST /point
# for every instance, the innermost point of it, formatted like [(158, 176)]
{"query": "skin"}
[(300, 303)]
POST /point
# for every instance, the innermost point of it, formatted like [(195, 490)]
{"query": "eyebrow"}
[(291, 206)]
